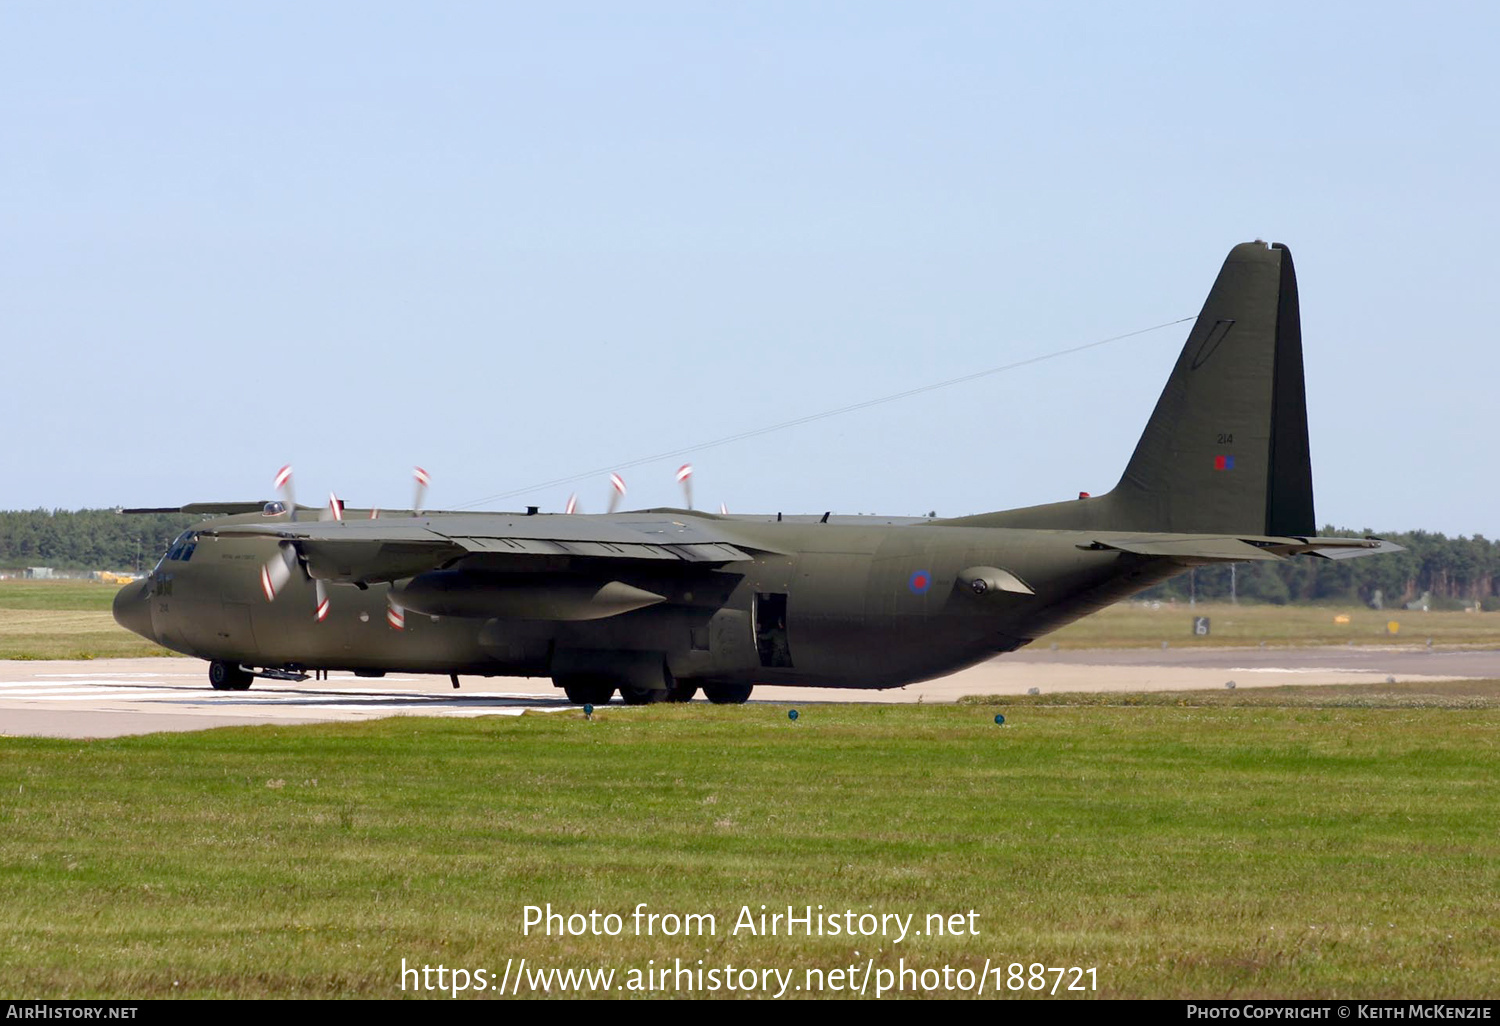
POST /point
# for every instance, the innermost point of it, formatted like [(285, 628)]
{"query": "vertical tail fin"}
[(1226, 449)]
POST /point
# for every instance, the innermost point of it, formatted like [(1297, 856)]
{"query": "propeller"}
[(618, 484), (685, 478), (283, 484), (277, 570), (572, 504), (723, 510), (423, 480)]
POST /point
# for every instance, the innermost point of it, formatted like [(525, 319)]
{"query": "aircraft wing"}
[(391, 548), (1207, 548), (214, 508)]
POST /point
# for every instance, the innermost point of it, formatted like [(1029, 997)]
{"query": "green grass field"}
[(1339, 844), (64, 620), (1133, 625), (73, 596)]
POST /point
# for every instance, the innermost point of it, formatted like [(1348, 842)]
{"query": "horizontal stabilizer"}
[(1351, 548), (1212, 548), (1203, 548)]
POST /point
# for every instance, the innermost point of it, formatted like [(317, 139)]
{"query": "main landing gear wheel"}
[(584, 691), (229, 676), (727, 694), (642, 696), (682, 691)]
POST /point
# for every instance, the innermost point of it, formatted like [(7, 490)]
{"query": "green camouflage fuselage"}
[(870, 602)]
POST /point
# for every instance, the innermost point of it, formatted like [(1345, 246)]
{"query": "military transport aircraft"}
[(661, 602)]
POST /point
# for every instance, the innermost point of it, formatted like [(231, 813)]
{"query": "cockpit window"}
[(182, 548), (273, 509)]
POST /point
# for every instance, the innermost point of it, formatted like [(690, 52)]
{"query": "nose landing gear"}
[(229, 676)]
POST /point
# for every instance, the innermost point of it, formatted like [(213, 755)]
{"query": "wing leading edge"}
[(389, 549)]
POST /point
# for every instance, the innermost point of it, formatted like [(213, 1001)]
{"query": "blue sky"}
[(516, 242)]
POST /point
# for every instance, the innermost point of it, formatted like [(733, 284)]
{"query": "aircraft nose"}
[(133, 609)]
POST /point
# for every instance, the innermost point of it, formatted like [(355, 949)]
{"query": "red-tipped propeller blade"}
[(283, 484), (685, 478), (394, 614), (423, 480), (277, 571), (321, 590), (618, 484), (572, 504)]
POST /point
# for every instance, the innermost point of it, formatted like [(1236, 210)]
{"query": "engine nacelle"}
[(520, 596)]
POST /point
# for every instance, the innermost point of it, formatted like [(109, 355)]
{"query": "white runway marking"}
[(148, 676), (1303, 669), (81, 693), (146, 695)]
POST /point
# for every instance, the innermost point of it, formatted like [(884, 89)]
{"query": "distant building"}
[(40, 573)]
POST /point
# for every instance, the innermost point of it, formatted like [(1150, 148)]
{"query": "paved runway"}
[(114, 697)]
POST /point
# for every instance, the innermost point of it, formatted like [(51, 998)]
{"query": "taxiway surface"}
[(115, 697)]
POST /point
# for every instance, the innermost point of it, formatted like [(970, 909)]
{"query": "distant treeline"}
[(88, 539), (1456, 571)]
